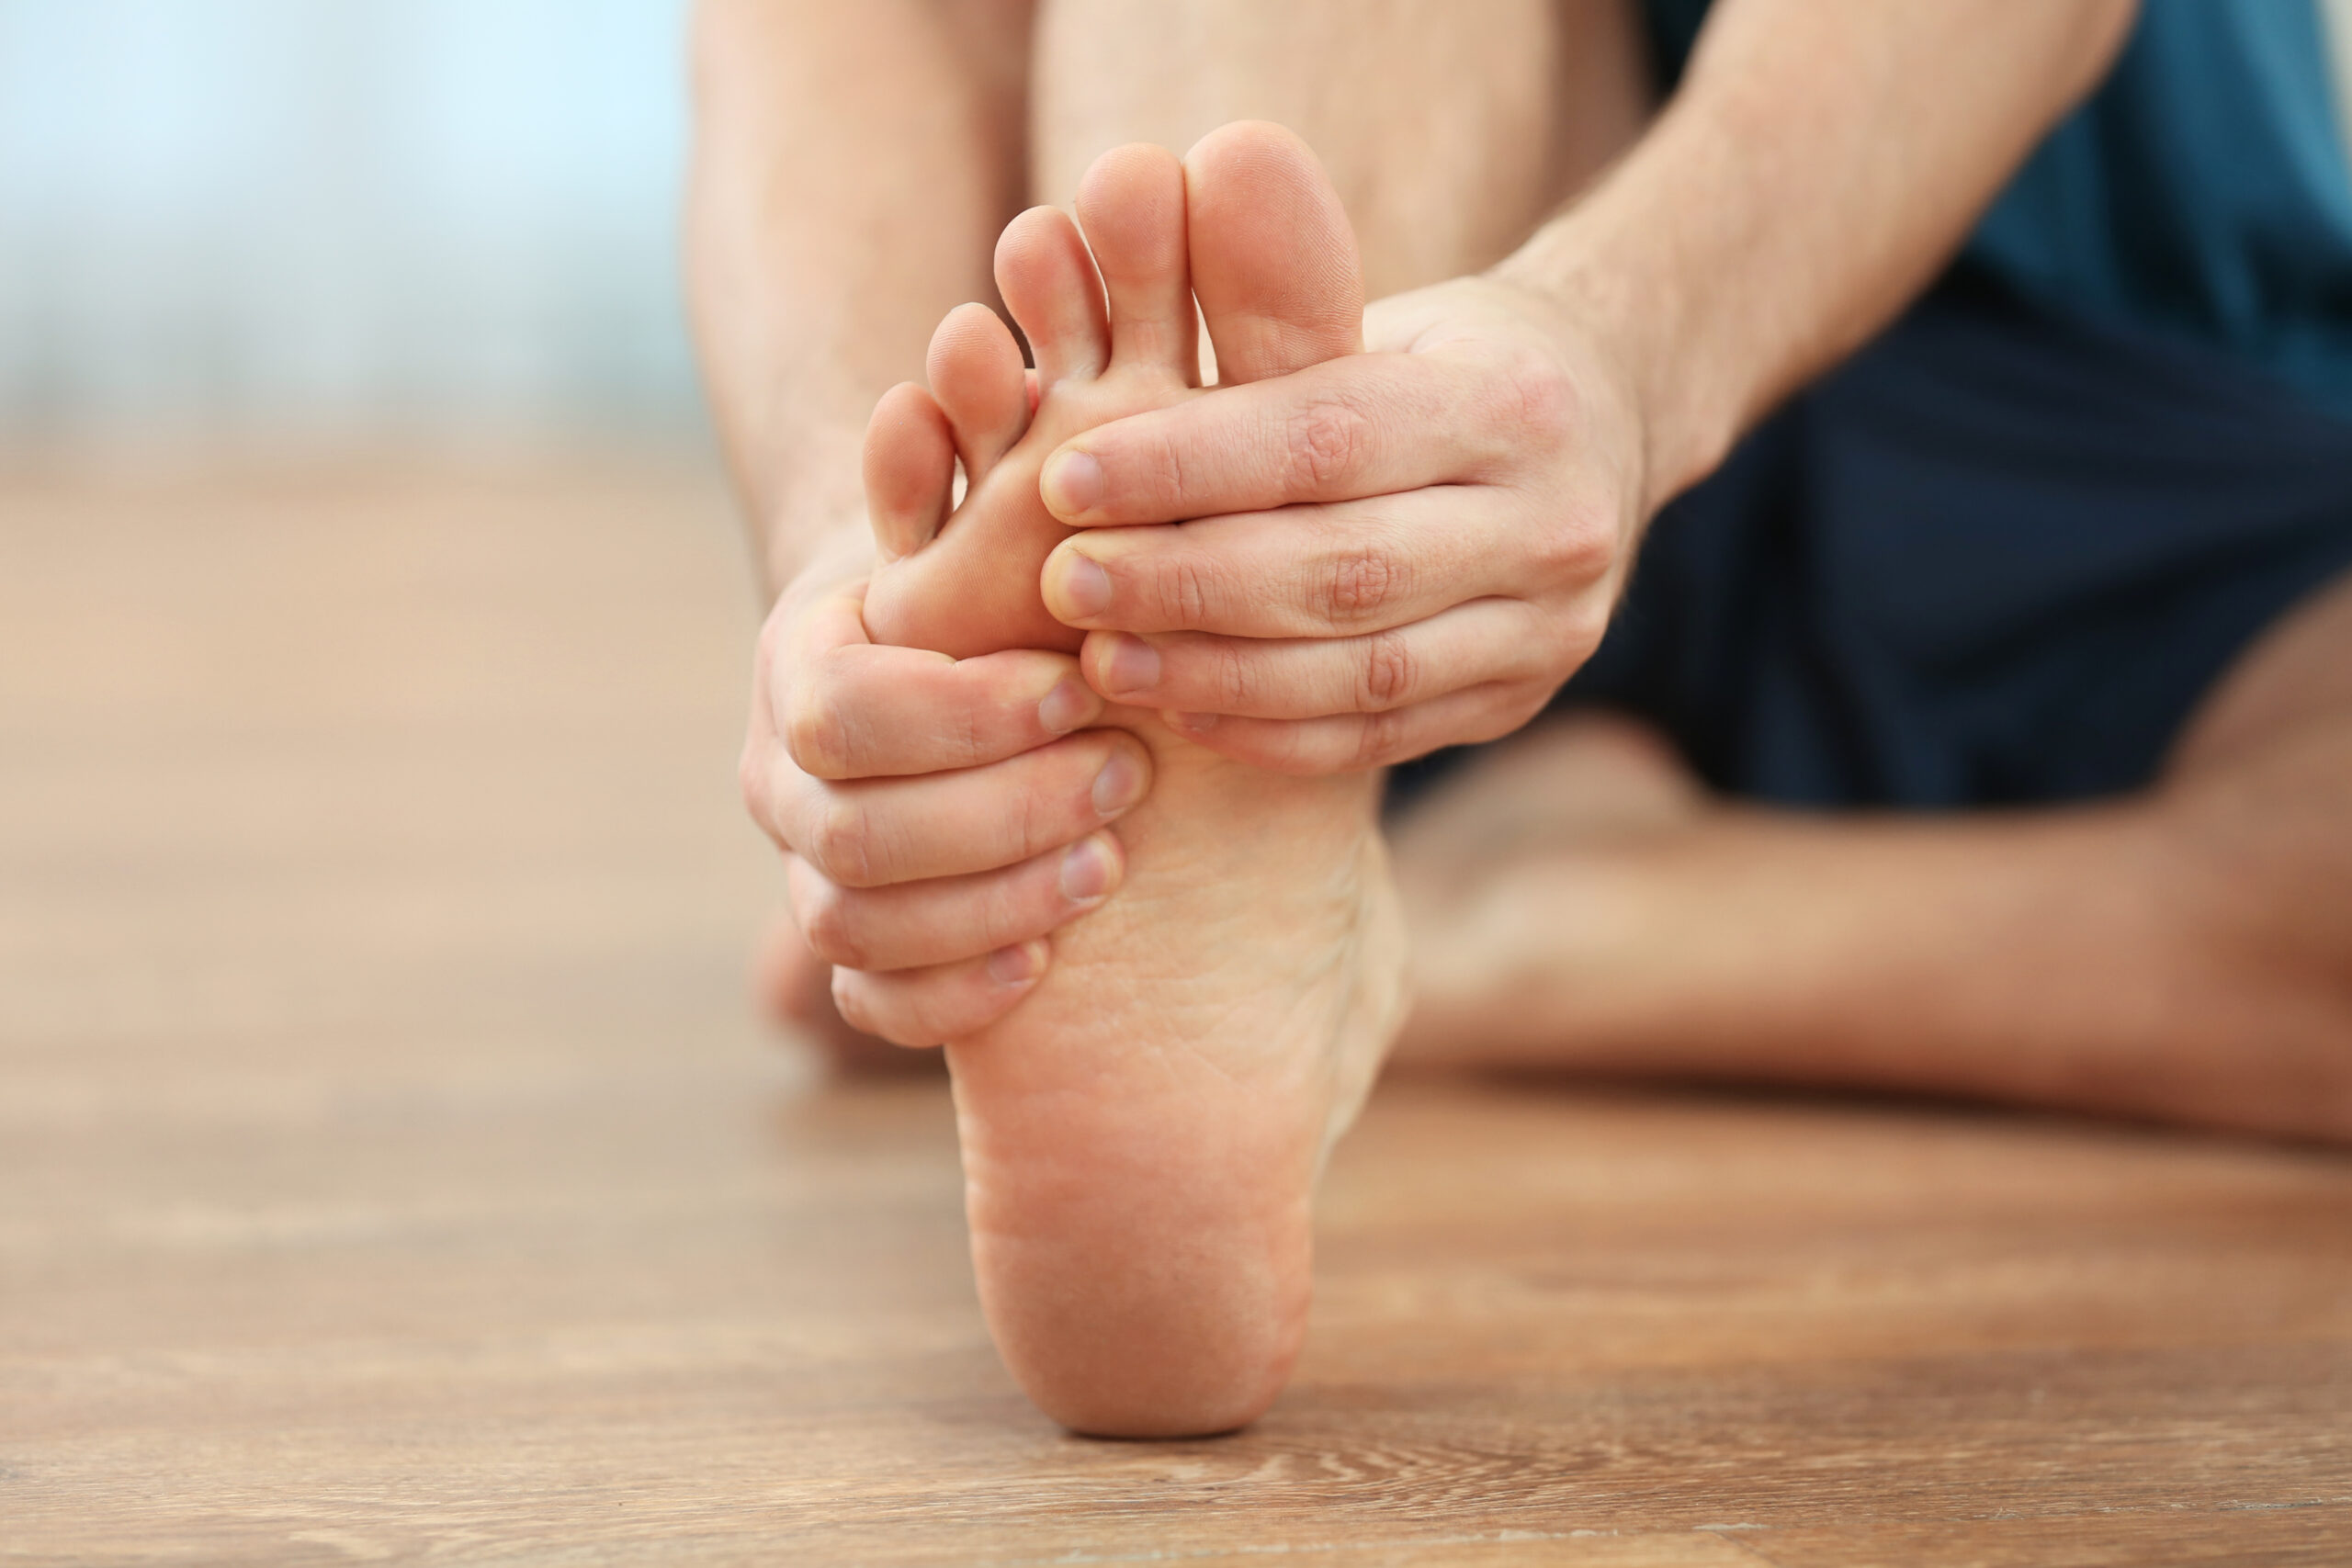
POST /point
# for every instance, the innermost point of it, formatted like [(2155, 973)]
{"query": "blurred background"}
[(320, 221), (373, 624)]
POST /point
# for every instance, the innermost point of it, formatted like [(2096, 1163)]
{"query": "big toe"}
[(1273, 260)]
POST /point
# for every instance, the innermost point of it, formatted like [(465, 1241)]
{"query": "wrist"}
[(1685, 409), (1621, 264)]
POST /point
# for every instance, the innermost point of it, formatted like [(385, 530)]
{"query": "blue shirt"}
[(2201, 191)]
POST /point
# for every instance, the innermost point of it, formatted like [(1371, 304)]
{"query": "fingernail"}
[(1119, 784), (1011, 966), (1067, 705), (1086, 871), (1079, 589), (1191, 723), (1071, 484), (1130, 667)]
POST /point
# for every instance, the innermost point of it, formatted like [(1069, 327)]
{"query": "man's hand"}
[(940, 816), (1457, 509)]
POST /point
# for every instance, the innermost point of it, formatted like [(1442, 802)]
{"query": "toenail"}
[(1086, 871), (1081, 589), (1191, 723), (1119, 784), (1011, 966), (1066, 707), (1071, 484), (1130, 666)]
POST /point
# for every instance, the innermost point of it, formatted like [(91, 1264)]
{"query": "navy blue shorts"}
[(1996, 559)]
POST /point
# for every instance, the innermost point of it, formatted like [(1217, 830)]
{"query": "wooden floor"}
[(389, 1170)]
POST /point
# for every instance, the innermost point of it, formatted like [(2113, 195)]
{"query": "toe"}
[(1131, 205), (909, 470), (1273, 260), (1051, 288), (976, 373)]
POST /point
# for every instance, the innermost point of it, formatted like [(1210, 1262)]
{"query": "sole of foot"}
[(1142, 1135)]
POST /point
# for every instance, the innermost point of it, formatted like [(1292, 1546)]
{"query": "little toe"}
[(909, 470), (976, 374), (1273, 260), (1050, 286), (1131, 205)]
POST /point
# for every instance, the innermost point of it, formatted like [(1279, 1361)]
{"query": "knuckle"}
[(1364, 582), (840, 843), (752, 782), (1539, 400), (831, 929), (1231, 682), (768, 652), (851, 1000), (1389, 672), (1329, 442), (1185, 588), (816, 736), (1576, 545)]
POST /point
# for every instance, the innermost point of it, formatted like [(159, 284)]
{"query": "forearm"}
[(852, 167), (1821, 161)]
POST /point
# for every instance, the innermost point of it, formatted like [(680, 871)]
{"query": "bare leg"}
[(2184, 955), (1450, 128)]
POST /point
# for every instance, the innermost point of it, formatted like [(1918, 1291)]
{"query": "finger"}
[(1487, 639), (799, 631), (930, 1007), (1365, 425), (876, 833), (909, 470), (1350, 742), (864, 710), (806, 623), (919, 924), (1356, 566)]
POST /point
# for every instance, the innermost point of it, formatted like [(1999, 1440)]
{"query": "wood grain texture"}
[(390, 1171)]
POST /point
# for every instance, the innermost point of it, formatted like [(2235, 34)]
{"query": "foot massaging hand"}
[(1371, 558)]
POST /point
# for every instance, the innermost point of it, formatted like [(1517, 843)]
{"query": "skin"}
[(1140, 1136), (1816, 166)]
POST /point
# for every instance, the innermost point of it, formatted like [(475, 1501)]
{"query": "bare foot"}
[(1142, 1135)]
